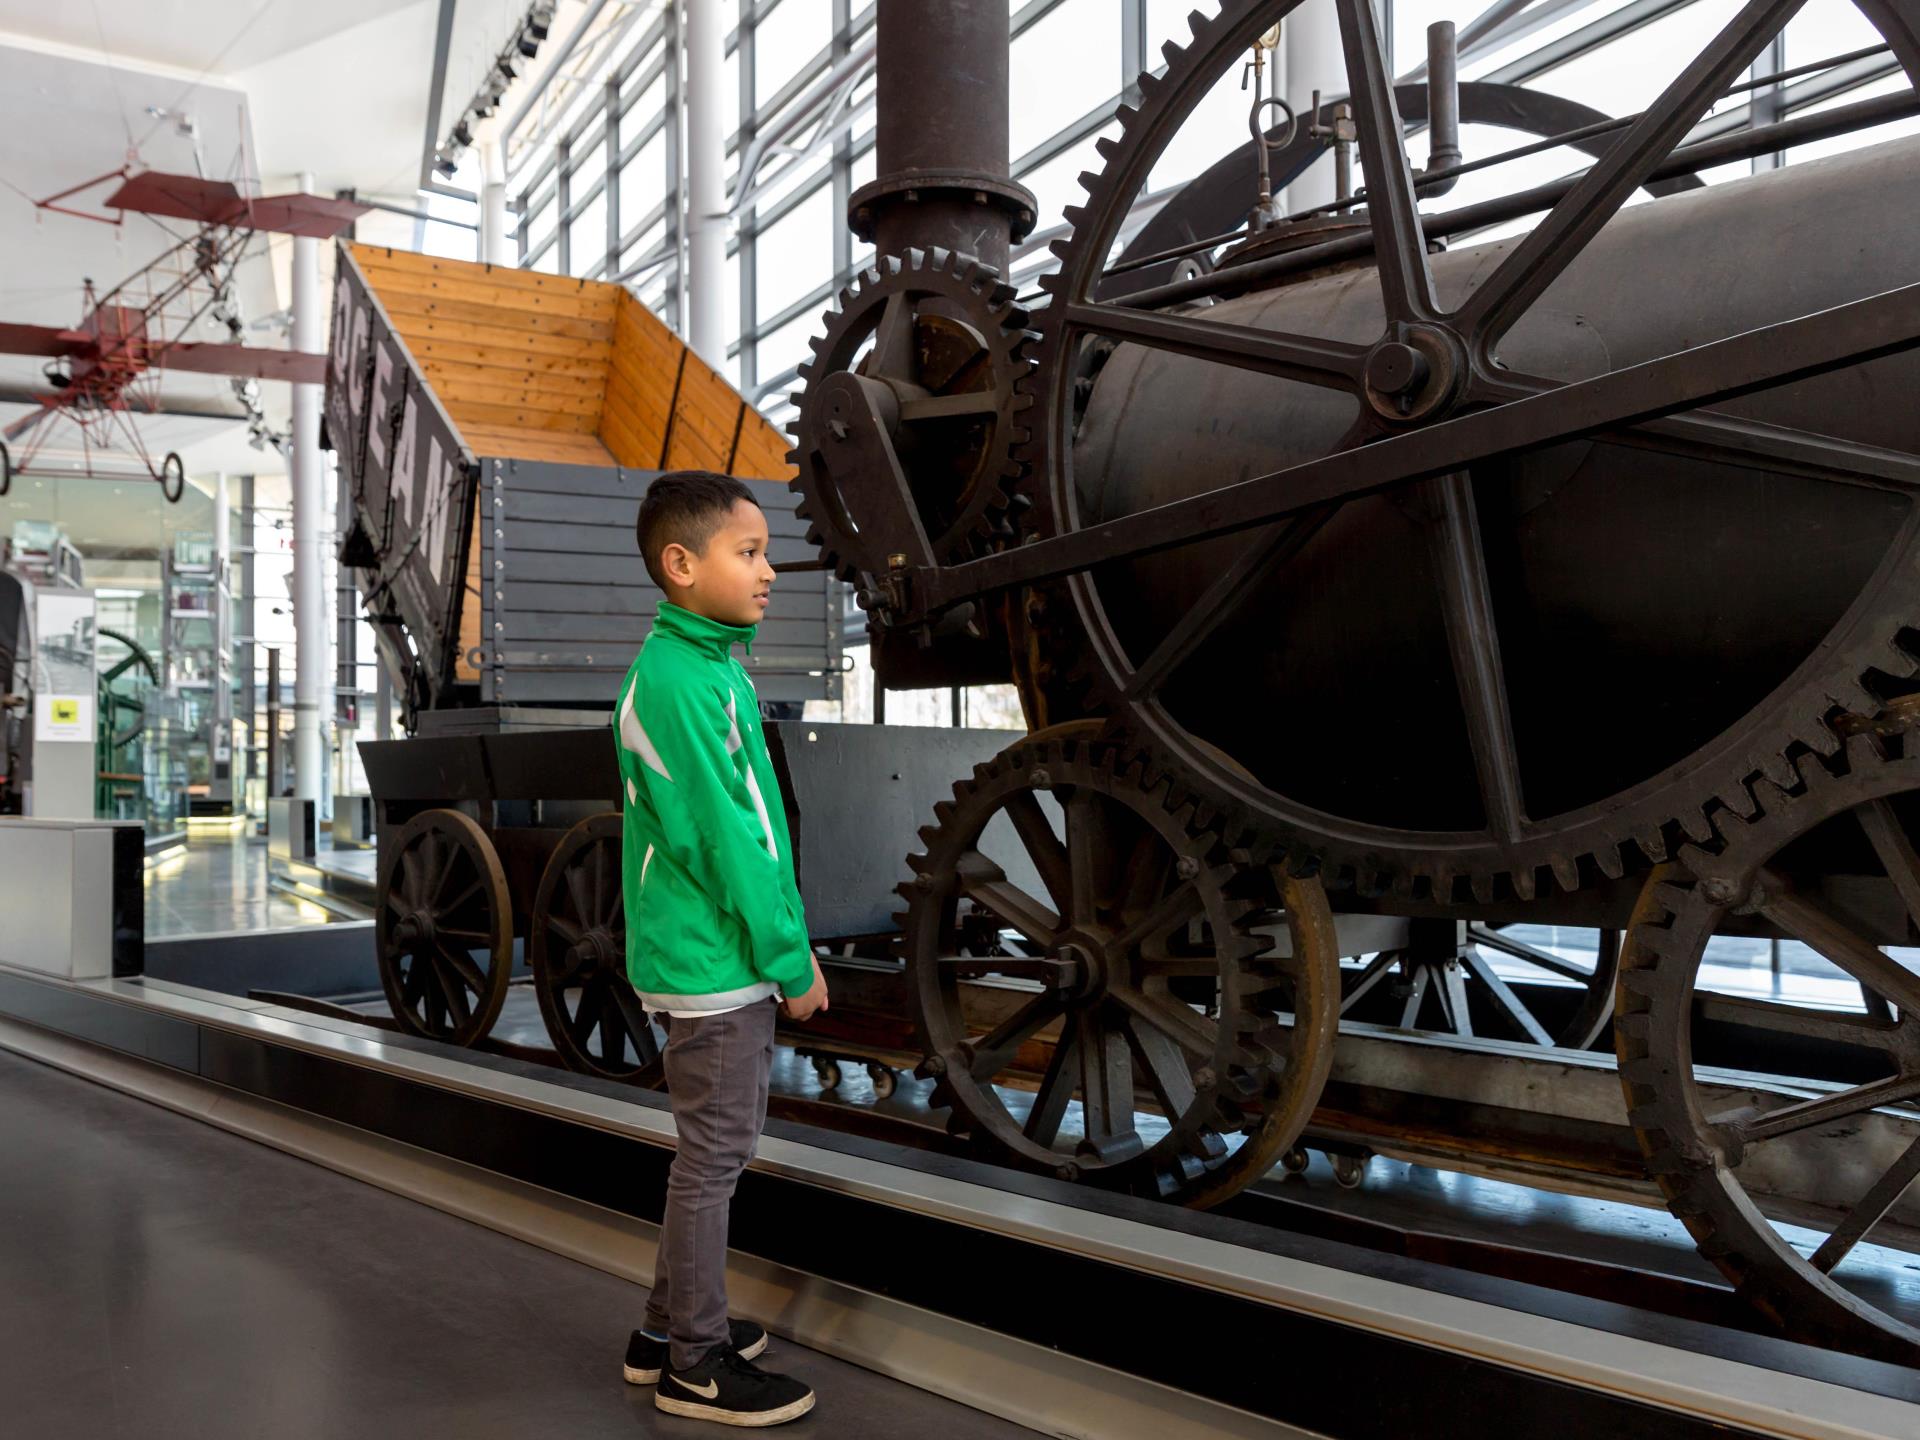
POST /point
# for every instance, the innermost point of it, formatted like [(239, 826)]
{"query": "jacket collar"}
[(709, 636)]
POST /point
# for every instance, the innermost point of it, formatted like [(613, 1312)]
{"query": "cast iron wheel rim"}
[(577, 943), (1127, 869), (173, 478), (1650, 817), (888, 299), (443, 896), (1473, 974), (1695, 1151)]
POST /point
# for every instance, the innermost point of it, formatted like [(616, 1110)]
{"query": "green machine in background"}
[(120, 787)]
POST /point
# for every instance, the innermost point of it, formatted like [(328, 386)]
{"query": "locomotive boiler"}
[(1352, 561)]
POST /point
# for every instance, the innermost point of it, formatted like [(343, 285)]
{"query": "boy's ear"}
[(676, 563)]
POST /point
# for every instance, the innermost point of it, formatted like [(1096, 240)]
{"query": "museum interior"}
[(1335, 688)]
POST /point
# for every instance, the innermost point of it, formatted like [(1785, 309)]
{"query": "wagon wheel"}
[(577, 941), (445, 928), (1450, 984), (172, 478), (1830, 863), (1145, 977), (1437, 409)]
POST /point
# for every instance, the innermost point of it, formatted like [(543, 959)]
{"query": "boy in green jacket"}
[(714, 927)]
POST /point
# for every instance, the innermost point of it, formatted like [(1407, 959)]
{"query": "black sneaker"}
[(733, 1391), (646, 1357)]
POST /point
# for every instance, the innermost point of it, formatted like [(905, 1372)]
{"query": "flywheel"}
[(1105, 991)]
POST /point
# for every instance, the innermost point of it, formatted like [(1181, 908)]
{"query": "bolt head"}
[(923, 881), (1719, 891), (1204, 1078), (1040, 778), (935, 1065), (1188, 867)]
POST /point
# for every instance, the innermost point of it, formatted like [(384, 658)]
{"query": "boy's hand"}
[(802, 1007)]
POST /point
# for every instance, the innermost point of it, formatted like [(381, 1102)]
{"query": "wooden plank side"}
[(480, 290), (642, 417), (508, 417), (430, 328), (505, 323), (503, 275), (762, 452), (628, 446), (558, 447), (590, 367), (496, 387)]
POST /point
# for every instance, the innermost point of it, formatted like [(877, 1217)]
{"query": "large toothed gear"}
[(944, 336), (1827, 857), (1129, 960), (1623, 833)]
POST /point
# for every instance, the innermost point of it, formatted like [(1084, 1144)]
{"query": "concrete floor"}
[(218, 884), (162, 1278)]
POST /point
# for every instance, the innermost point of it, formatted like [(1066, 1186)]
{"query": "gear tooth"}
[(1652, 844), (1074, 215), (816, 343), (1695, 861), (1171, 52), (846, 299), (1525, 882), (1197, 21), (805, 372), (1126, 114), (944, 810), (1771, 795), (1566, 872), (1780, 772), (1089, 180), (919, 863), (1050, 282), (1860, 751), (1147, 83), (1105, 147), (1482, 887), (1607, 857), (1698, 826)]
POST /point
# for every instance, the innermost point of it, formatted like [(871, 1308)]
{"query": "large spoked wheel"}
[(577, 939), (1447, 976), (173, 478), (445, 928), (1782, 1181), (1405, 427), (1096, 980), (6, 469)]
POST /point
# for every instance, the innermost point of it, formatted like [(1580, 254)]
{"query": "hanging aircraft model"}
[(107, 368)]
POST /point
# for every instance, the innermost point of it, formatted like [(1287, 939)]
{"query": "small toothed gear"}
[(1065, 860), (945, 336), (1852, 814), (1624, 833)]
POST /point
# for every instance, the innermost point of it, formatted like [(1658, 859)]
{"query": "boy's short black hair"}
[(684, 507)]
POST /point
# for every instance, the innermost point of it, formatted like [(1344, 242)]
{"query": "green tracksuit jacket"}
[(713, 914)]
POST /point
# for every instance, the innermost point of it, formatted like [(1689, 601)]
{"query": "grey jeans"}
[(717, 1068)]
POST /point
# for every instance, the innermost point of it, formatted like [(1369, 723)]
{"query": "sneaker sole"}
[(749, 1420), (652, 1377)]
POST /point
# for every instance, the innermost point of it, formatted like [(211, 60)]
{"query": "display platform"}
[(1062, 1308)]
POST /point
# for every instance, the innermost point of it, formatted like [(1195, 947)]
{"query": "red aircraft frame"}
[(108, 367)]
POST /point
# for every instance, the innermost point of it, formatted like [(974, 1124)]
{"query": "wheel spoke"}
[(1804, 1114), (577, 892), (1375, 971), (448, 857), (1895, 848), (1508, 1003), (968, 404), (1466, 605), (580, 1024), (1330, 364), (462, 968), (1861, 1031), (1561, 237), (1056, 1088), (1163, 1066), (1043, 847), (986, 884), (1083, 854), (452, 907), (1873, 1207), (1182, 904), (1269, 550), (1813, 925), (1732, 439), (1106, 1084), (1406, 281), (994, 1051), (1519, 950), (632, 1013), (1194, 1032), (892, 353)]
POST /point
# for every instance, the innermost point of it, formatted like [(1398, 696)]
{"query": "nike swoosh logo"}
[(705, 1392)]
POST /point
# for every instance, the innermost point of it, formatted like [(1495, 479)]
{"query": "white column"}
[(311, 640), (496, 221), (704, 31), (222, 740), (1310, 43)]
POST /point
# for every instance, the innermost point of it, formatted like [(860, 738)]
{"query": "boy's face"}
[(730, 581)]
